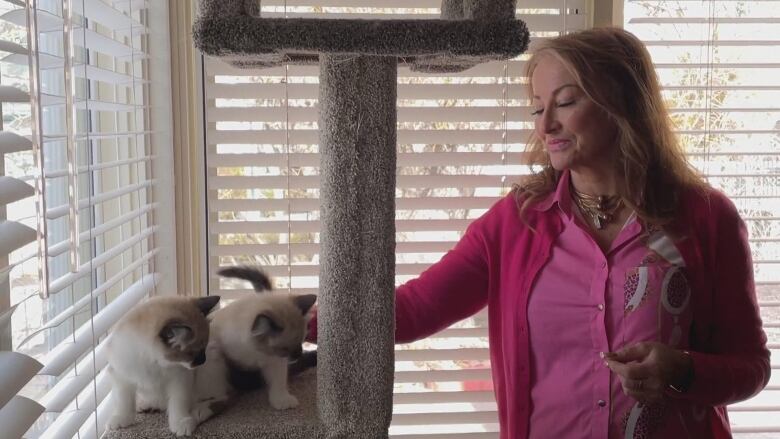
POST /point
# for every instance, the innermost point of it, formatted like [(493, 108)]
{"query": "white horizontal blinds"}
[(719, 63), (460, 143), (19, 261), (95, 128)]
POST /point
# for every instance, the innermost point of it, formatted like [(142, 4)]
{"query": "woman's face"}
[(575, 131)]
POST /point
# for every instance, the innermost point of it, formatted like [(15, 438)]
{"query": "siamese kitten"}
[(253, 341), (152, 351)]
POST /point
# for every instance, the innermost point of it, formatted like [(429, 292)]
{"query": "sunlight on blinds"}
[(92, 67), (719, 64)]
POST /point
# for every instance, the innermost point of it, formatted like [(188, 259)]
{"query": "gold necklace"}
[(600, 208)]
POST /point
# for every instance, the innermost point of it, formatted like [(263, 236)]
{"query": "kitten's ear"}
[(304, 302), (205, 304), (176, 335), (264, 325)]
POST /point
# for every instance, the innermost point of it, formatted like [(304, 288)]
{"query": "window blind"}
[(719, 64), (90, 84), (461, 139), (18, 224)]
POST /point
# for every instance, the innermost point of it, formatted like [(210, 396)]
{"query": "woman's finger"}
[(645, 390), (635, 385), (636, 352), (634, 371)]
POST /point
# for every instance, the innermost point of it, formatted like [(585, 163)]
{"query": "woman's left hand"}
[(647, 369)]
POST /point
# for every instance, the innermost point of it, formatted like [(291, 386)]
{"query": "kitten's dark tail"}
[(260, 281)]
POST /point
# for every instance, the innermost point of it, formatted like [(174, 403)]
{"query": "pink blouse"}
[(585, 302)]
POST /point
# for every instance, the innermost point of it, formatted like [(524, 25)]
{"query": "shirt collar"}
[(561, 197)]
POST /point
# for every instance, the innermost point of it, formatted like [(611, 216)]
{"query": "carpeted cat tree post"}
[(358, 72)]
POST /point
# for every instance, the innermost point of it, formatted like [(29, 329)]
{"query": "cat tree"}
[(358, 72)]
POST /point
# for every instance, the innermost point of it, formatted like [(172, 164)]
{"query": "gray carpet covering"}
[(248, 417), (247, 40), (357, 244), (469, 32)]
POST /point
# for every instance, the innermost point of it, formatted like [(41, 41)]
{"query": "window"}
[(91, 132), (719, 63), (460, 141)]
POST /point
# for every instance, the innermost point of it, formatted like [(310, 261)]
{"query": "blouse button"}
[(602, 403), (601, 307)]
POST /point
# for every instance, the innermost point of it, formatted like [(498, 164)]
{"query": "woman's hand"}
[(647, 369)]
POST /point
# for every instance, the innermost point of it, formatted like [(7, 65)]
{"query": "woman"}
[(619, 284)]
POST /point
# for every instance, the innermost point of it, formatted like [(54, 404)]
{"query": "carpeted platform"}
[(468, 33), (250, 417), (446, 44)]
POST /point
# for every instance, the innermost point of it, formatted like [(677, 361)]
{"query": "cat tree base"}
[(249, 418)]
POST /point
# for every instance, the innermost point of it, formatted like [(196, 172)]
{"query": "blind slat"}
[(311, 137), (405, 114), (106, 15), (457, 225), (12, 190), (62, 356), (77, 306), (313, 181), (403, 159), (86, 268), (442, 397), (313, 249), (17, 369), (10, 94), (18, 415), (441, 354), (56, 212), (12, 142), (68, 423), (62, 246), (423, 419), (301, 205), (405, 91), (442, 375), (96, 167), (67, 389), (14, 235)]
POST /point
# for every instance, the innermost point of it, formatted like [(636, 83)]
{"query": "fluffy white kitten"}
[(151, 354), (253, 340)]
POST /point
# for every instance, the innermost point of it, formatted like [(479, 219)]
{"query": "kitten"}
[(252, 342), (152, 352)]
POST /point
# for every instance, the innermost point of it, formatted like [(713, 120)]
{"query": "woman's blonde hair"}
[(614, 69)]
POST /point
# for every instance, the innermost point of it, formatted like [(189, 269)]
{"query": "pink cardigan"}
[(499, 257)]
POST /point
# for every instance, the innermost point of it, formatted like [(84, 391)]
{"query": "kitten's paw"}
[(202, 412), (148, 406), (184, 426), (120, 420), (283, 401)]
